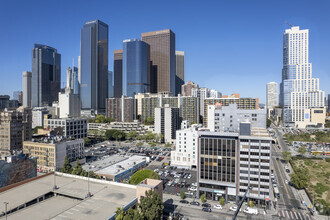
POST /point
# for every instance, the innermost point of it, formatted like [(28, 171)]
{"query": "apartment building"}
[(167, 121), (136, 126), (73, 128), (51, 153), (121, 109)]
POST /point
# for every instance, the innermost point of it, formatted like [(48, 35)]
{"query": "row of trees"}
[(100, 119), (77, 169), (150, 208)]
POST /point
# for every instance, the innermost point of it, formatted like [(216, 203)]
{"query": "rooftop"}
[(70, 202)]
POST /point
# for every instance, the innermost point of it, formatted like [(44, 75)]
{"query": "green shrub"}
[(141, 175)]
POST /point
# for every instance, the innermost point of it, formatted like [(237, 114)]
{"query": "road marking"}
[(296, 215), (301, 216), (307, 216), (287, 214), (283, 180), (69, 213), (291, 215)]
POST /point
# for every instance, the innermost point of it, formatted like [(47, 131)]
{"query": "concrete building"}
[(46, 75), (167, 121), (136, 67), (70, 199), (187, 87), (73, 128), (215, 94), (185, 153), (94, 67), (241, 161), (38, 115), (228, 118), (118, 73), (242, 103), (162, 56), (179, 77), (201, 93), (122, 170), (317, 117), (136, 126), (272, 95), (51, 152), (149, 184), (27, 88), (17, 168), (120, 109), (69, 104), (26, 122), (299, 90)]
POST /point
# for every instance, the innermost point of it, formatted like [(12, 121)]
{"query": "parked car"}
[(184, 201), (194, 203), (206, 210), (207, 205), (193, 188), (286, 181), (217, 206), (250, 210), (234, 208)]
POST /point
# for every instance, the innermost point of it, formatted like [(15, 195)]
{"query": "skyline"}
[(210, 56)]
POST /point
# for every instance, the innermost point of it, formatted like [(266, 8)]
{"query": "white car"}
[(286, 181), (217, 206), (234, 208), (192, 188), (250, 210), (194, 184)]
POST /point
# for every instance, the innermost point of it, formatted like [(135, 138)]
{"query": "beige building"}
[(187, 87), (51, 155), (15, 127), (149, 184)]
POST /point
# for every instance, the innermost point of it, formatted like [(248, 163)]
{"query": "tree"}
[(87, 141), (151, 205), (91, 120), (300, 178), (167, 144), (251, 204), (286, 155), (302, 150), (222, 201), (100, 119), (67, 168), (203, 198), (120, 214), (77, 169), (152, 144), (182, 195), (268, 123), (141, 175), (139, 144), (131, 135), (149, 121), (133, 214)]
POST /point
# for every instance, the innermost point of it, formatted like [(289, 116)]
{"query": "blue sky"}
[(231, 46)]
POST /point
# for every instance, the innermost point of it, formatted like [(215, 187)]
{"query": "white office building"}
[(299, 90), (228, 118), (69, 104), (38, 114), (185, 153), (73, 128), (167, 122), (215, 94), (201, 93), (272, 95)]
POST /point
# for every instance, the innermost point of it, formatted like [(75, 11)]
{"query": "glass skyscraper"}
[(299, 90), (46, 75), (94, 66), (136, 67)]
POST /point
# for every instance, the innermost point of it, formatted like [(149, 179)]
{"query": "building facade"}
[(179, 77), (38, 115), (69, 104), (187, 88), (46, 75), (73, 128), (121, 109), (110, 84), (228, 118), (201, 94), (27, 89), (162, 55), (272, 95), (136, 67), (167, 121), (94, 66), (299, 90), (118, 73)]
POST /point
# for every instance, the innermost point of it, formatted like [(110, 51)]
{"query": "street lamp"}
[(6, 203)]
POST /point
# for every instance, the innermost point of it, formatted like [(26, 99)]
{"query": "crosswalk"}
[(293, 215)]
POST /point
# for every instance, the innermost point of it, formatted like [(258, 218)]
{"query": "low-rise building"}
[(51, 152), (73, 128), (136, 126), (228, 118)]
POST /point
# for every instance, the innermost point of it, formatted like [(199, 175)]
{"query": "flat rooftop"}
[(102, 163), (70, 201), (122, 166)]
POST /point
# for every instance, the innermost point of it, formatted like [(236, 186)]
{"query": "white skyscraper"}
[(272, 95), (299, 91)]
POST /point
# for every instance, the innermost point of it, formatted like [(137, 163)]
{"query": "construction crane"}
[(289, 24), (241, 203)]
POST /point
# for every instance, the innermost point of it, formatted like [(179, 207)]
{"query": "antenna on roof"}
[(289, 24)]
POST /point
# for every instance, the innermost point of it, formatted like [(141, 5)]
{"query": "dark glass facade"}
[(118, 73), (94, 65), (46, 75), (136, 67)]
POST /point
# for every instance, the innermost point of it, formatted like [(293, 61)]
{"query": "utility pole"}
[(6, 203)]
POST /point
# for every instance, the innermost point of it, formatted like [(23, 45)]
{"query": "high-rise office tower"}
[(27, 77), (118, 73), (136, 67), (299, 90), (75, 81), (272, 95), (110, 84), (328, 103), (94, 66), (46, 75), (179, 73), (162, 55), (69, 78)]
